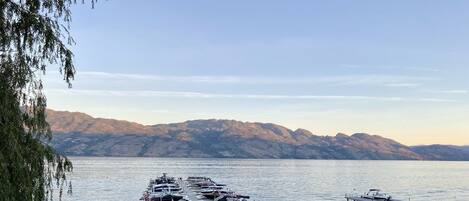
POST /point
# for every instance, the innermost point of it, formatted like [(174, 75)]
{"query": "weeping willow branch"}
[(34, 34)]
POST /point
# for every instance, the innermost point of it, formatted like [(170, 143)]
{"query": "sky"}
[(393, 68)]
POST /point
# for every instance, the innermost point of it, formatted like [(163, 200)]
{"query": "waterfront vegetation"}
[(35, 34)]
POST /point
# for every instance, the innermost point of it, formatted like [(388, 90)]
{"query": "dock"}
[(189, 194), (166, 188)]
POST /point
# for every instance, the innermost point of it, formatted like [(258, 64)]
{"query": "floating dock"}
[(192, 189), (188, 193)]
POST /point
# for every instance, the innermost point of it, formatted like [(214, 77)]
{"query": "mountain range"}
[(79, 134)]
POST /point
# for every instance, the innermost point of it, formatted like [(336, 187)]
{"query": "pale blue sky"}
[(396, 68)]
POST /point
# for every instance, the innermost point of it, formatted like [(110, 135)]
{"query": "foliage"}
[(34, 34)]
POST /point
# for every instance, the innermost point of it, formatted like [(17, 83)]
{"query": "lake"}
[(116, 178)]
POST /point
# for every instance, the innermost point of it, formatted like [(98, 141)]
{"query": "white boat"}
[(371, 195), (163, 189), (163, 194)]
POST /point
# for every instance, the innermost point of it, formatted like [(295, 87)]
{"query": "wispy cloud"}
[(370, 79), (209, 79), (403, 84), (190, 94), (450, 91), (390, 67), (428, 69)]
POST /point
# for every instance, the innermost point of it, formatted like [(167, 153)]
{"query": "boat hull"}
[(167, 198)]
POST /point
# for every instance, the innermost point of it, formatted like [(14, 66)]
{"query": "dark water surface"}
[(110, 178)]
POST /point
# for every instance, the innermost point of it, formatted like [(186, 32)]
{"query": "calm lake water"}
[(109, 178)]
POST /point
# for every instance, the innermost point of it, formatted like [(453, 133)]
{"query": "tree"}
[(34, 34)]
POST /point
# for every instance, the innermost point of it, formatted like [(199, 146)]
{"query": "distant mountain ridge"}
[(442, 152), (82, 135)]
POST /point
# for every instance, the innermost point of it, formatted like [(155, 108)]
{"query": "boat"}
[(231, 198), (372, 195), (161, 195), (375, 194), (212, 194), (164, 194), (222, 194), (210, 188), (163, 188), (164, 180), (204, 184)]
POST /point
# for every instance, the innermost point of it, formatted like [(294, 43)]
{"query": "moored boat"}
[(163, 188), (166, 188)]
